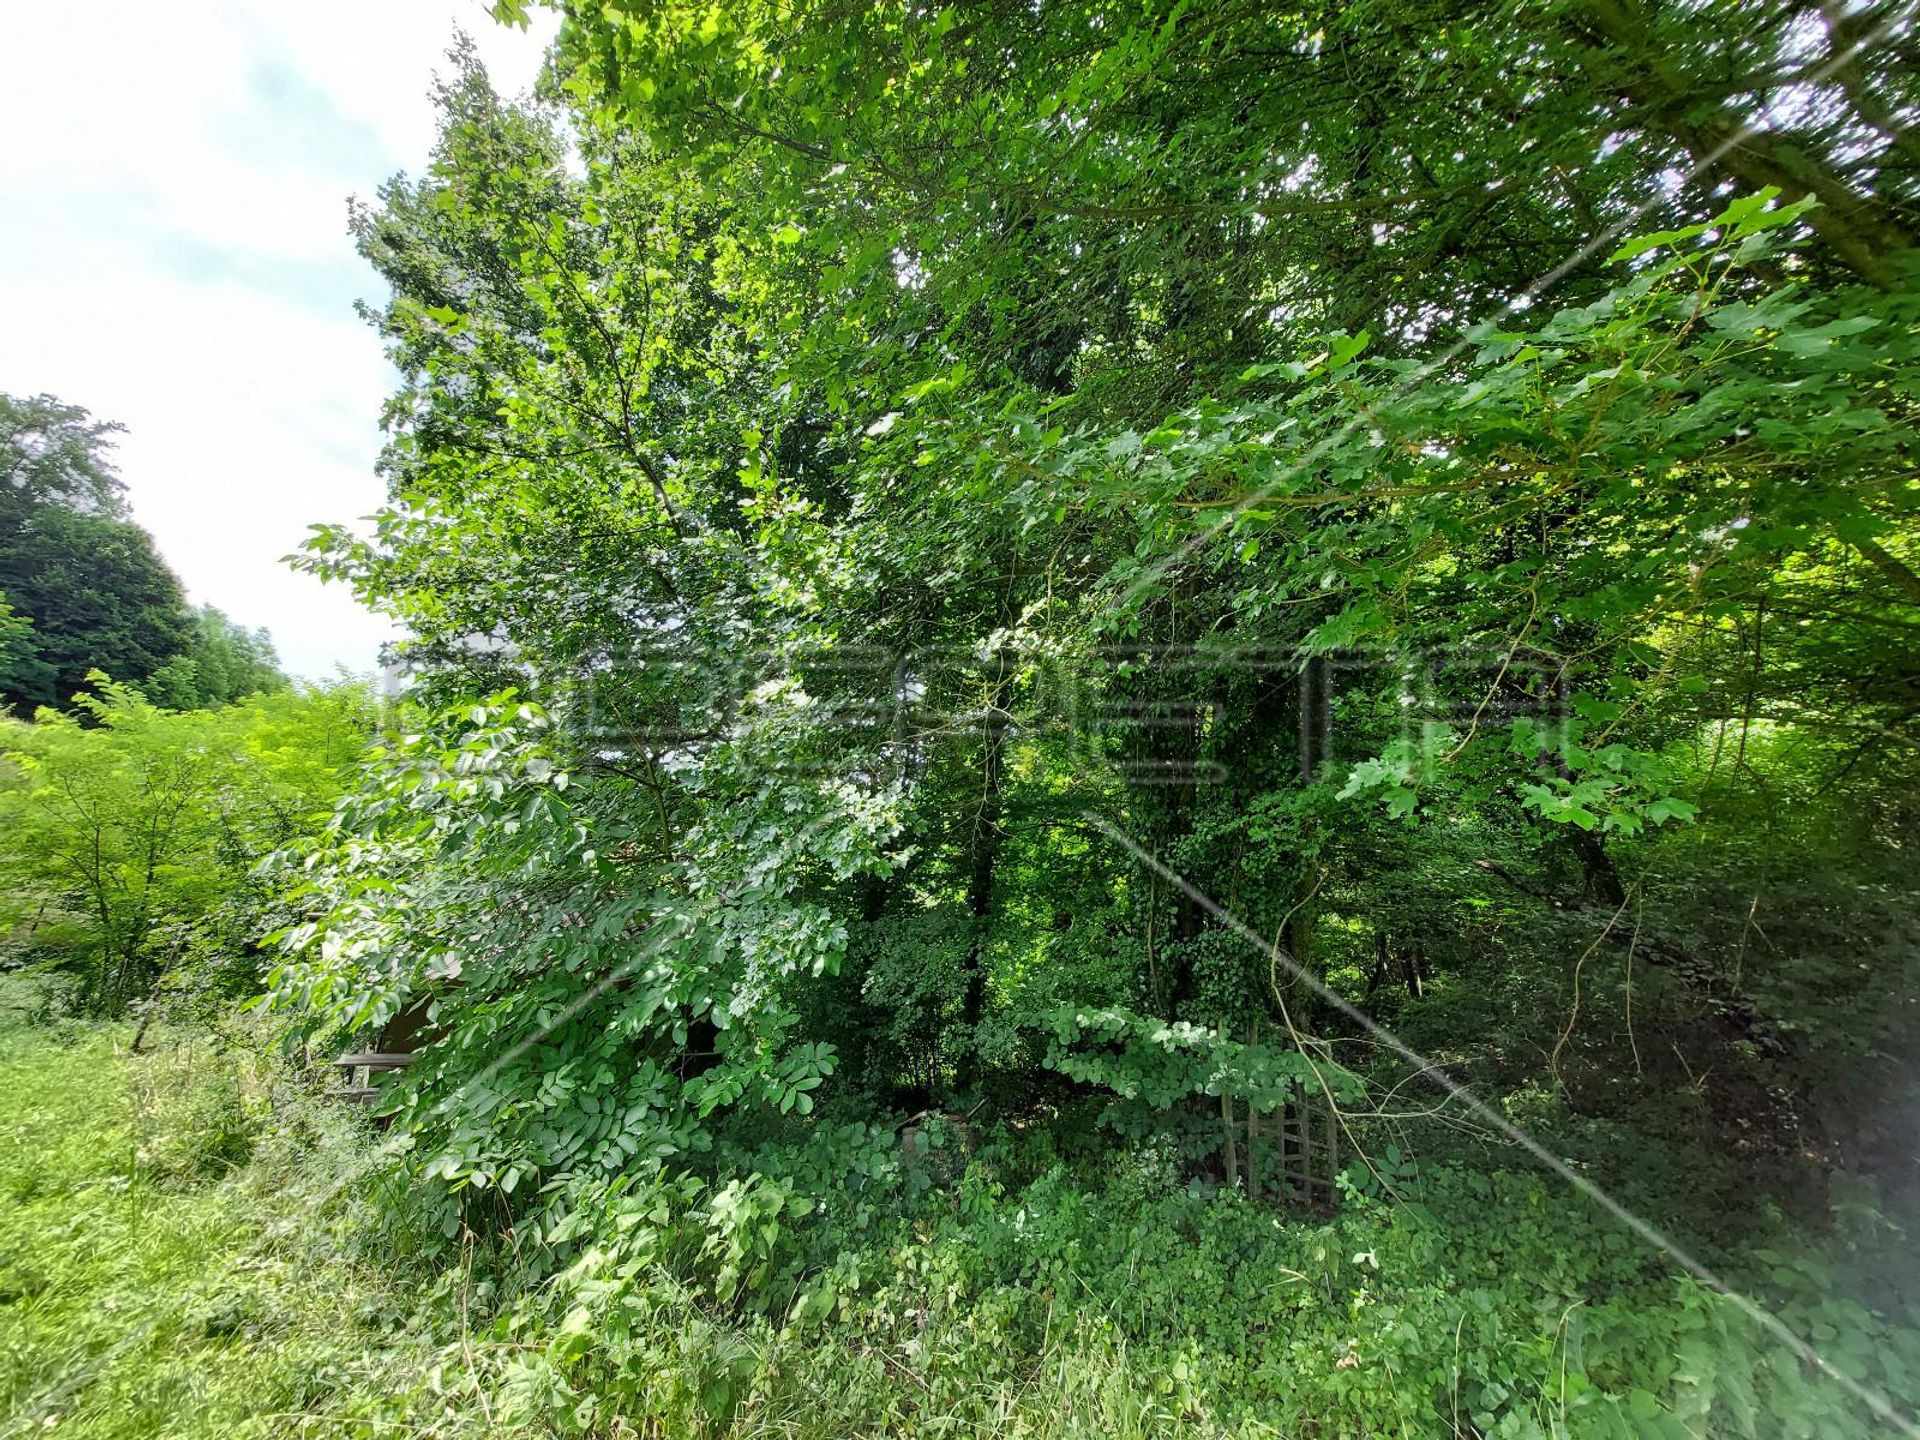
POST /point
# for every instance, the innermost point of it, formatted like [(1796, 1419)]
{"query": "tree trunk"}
[(984, 840), (146, 1019)]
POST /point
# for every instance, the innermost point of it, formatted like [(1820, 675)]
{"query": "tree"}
[(127, 826), (982, 533), (16, 644), (1127, 238), (52, 453), (222, 663), (99, 598), (89, 583), (625, 858)]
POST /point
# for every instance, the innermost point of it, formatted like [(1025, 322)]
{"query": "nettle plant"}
[(596, 989)]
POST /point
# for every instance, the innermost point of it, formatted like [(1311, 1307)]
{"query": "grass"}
[(180, 1257), (175, 1262), (156, 1274)]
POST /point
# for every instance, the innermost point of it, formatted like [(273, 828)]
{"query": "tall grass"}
[(194, 1245)]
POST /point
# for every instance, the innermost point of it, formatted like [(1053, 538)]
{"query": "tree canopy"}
[(82, 587), (52, 453), (996, 558), (135, 836), (1117, 717), (99, 598)]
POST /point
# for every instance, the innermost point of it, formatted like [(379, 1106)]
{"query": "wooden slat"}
[(1253, 1111), (375, 1060), (1333, 1151), (1226, 1120), (1306, 1145)]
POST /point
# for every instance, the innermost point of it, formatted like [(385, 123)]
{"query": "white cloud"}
[(173, 255)]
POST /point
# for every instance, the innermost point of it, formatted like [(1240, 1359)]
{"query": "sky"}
[(174, 255)]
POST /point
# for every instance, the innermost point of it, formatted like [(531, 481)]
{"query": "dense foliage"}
[(82, 587), (995, 596), (195, 1246), (774, 516), (137, 844)]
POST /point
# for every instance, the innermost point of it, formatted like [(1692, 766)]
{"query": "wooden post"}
[(1253, 1110), (1333, 1151), (1284, 1150), (1226, 1120), (1306, 1145)]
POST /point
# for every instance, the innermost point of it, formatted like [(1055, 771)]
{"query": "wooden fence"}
[(1289, 1152)]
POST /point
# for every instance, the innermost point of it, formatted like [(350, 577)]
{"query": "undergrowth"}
[(176, 1258), (193, 1245)]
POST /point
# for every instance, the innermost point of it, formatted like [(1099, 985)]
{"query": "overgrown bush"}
[(132, 838)]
